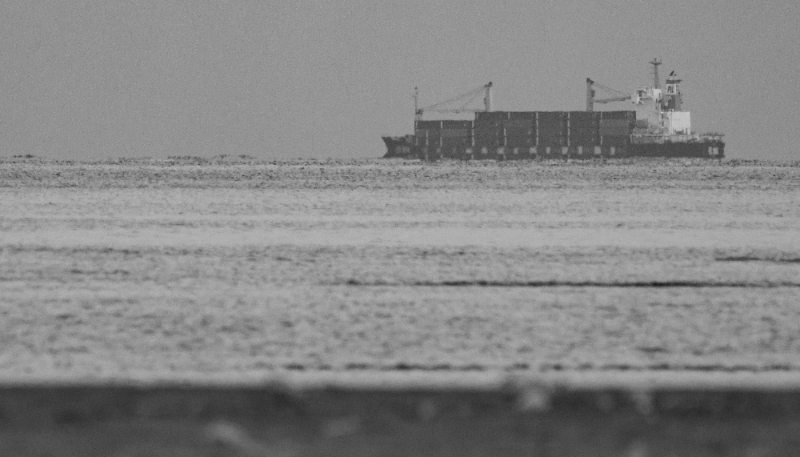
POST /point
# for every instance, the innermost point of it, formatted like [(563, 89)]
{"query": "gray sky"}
[(86, 79)]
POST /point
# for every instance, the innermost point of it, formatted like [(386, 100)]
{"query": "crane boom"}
[(590, 93), (612, 99), (456, 110), (466, 98)]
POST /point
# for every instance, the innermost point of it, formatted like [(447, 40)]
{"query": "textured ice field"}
[(152, 270)]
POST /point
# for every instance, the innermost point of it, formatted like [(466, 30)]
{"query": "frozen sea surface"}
[(171, 270)]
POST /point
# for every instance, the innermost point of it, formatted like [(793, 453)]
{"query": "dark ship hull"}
[(711, 149), (701, 150), (400, 146)]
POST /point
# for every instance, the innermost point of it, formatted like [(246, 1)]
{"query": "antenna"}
[(417, 112), (655, 63)]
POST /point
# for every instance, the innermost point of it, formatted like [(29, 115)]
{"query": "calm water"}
[(187, 270)]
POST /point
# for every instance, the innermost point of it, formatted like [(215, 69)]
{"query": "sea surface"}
[(236, 269)]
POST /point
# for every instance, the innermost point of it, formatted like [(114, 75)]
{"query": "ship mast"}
[(488, 98), (655, 63), (417, 111)]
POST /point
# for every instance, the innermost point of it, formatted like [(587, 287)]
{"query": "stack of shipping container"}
[(456, 134), (488, 129), (551, 132), (519, 134), (615, 128), (583, 132)]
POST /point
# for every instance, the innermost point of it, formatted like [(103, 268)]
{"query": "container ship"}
[(656, 127)]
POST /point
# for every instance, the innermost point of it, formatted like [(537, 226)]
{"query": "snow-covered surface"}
[(395, 272)]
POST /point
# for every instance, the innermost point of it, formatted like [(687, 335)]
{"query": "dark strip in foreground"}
[(668, 367), (758, 259), (42, 405), (630, 284), (527, 367), (510, 420)]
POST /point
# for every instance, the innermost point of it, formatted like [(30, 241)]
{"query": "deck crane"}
[(466, 98), (590, 100)]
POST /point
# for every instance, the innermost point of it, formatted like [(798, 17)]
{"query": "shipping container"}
[(491, 115), (551, 134), (582, 126), (458, 133), (550, 115), (490, 124), (520, 142), (584, 117), (451, 141), (518, 123), (428, 125), (488, 139), (582, 131), (551, 122), (489, 142), (548, 132), (522, 115), (487, 128), (583, 141), (551, 141), (519, 132), (456, 124), (551, 126), (617, 114)]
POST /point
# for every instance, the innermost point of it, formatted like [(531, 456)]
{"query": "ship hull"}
[(701, 149), (400, 146)]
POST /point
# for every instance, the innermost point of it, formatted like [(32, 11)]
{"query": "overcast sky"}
[(88, 79)]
